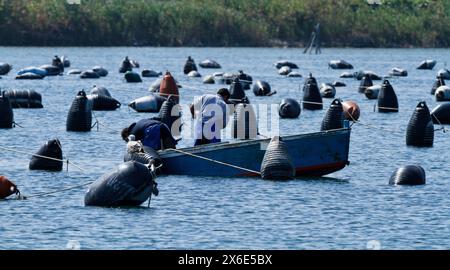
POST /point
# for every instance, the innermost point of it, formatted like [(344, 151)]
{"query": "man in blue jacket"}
[(152, 133)]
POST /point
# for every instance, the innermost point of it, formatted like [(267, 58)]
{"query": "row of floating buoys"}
[(24, 98)]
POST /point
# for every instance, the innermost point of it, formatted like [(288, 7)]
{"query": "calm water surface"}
[(345, 210)]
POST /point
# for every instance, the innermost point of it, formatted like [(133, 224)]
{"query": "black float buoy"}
[(438, 83), (169, 113), (261, 88), (24, 98), (441, 114), (312, 100), (244, 125), (51, 149), (365, 82), (420, 130), (103, 103), (79, 117), (427, 64), (150, 103), (289, 108), (147, 156), (334, 117), (387, 99), (408, 175), (189, 66), (6, 112), (131, 184), (237, 93), (277, 164)]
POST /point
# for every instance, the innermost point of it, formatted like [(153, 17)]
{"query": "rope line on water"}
[(57, 191), (311, 102), (104, 125), (41, 156), (215, 161), (374, 127)]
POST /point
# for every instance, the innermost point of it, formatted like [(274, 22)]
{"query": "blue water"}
[(349, 209)]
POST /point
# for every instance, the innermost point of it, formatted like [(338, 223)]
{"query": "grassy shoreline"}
[(224, 23)]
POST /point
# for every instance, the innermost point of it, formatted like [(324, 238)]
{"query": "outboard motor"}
[(244, 124), (408, 175), (277, 164), (79, 117), (51, 149), (334, 118), (387, 99), (420, 130), (6, 113), (131, 184)]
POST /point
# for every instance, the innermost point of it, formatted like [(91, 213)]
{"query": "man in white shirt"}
[(211, 114)]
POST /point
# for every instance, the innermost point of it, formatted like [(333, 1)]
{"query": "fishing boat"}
[(313, 154)]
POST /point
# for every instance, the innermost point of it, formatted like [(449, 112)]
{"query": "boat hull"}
[(313, 154)]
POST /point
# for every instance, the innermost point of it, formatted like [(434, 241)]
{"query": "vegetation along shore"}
[(353, 23)]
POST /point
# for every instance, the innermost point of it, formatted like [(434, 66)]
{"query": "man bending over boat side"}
[(152, 133), (211, 114)]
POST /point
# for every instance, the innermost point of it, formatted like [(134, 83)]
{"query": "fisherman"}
[(211, 114), (152, 133)]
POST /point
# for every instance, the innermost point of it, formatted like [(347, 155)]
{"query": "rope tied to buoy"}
[(98, 123), (311, 102), (215, 161), (384, 108), (374, 127)]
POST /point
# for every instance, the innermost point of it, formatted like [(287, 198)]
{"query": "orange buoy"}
[(7, 188), (351, 110), (168, 87)]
